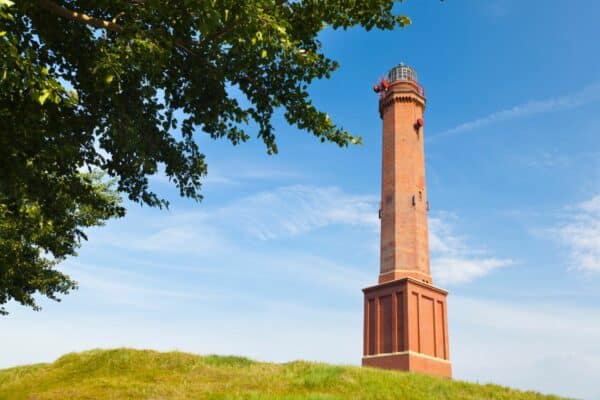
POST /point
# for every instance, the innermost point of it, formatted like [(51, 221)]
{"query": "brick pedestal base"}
[(406, 327), (413, 362)]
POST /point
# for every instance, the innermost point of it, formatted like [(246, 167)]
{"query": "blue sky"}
[(272, 262)]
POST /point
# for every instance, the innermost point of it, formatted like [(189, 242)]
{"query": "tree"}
[(38, 231), (123, 86)]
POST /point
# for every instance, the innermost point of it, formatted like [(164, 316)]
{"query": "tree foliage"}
[(39, 230), (123, 86)]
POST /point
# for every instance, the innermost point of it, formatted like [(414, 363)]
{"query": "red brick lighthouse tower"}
[(406, 323)]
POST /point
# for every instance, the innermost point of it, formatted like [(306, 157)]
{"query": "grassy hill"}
[(136, 374)]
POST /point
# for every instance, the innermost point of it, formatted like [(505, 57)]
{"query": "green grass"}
[(141, 374)]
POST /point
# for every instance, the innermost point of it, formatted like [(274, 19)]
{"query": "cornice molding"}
[(399, 97)]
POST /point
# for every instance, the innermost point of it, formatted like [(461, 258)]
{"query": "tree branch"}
[(92, 21), (79, 17)]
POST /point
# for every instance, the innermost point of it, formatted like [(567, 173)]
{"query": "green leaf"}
[(42, 97), (356, 140), (403, 21), (109, 78), (263, 53), (6, 3), (74, 95)]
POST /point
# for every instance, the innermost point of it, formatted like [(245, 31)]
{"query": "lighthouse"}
[(405, 315)]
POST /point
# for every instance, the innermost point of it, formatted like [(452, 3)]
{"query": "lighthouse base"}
[(405, 327), (407, 361)]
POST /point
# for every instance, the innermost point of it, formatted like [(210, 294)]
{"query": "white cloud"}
[(231, 242), (269, 215), (587, 95), (317, 271), (164, 234), (216, 178), (268, 174), (453, 260), (552, 159), (582, 235), (292, 211), (453, 270), (297, 209), (442, 239), (543, 159), (592, 205), (547, 346)]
